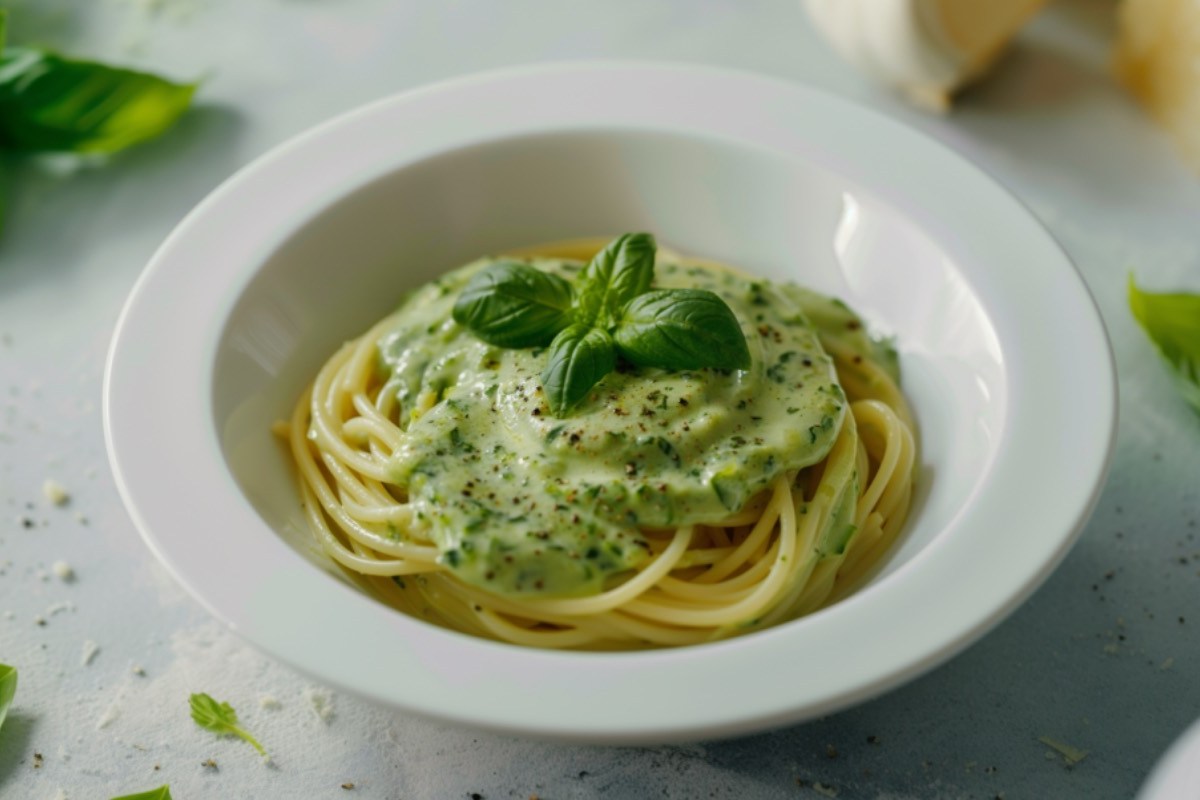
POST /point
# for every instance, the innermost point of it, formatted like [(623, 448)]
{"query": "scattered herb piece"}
[(50, 103), (161, 793), (8, 688), (220, 718), (611, 311), (1172, 321)]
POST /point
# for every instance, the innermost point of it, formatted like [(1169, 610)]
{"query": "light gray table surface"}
[(1104, 657)]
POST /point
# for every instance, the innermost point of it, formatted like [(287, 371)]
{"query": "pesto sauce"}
[(520, 502)]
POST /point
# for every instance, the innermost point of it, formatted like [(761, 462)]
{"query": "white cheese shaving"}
[(321, 702), (269, 702), (63, 570), (90, 649), (1071, 755), (55, 492), (59, 608)]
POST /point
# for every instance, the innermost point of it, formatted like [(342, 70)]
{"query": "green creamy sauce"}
[(522, 503)]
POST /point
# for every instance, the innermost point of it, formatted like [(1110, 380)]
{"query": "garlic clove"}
[(925, 48), (1158, 59)]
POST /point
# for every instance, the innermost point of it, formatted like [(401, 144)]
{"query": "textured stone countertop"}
[(1104, 658)]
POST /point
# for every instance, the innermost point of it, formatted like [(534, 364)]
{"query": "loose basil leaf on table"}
[(681, 329), (617, 274), (8, 689), (161, 793), (514, 305), (578, 358), (1172, 321), (49, 103), (220, 718)]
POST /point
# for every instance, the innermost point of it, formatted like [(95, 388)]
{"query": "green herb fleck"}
[(220, 718)]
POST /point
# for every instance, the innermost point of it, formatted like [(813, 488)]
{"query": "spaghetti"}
[(806, 537)]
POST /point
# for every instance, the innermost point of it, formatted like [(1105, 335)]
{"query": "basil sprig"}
[(610, 312)]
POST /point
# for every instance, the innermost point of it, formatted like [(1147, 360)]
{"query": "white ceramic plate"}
[(1177, 774), (1004, 357)]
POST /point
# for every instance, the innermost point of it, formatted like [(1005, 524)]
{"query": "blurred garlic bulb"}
[(1158, 58), (925, 48)]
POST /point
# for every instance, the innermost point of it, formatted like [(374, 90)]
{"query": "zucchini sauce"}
[(522, 503)]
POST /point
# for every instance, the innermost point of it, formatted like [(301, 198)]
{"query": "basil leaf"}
[(616, 275), (1172, 321), (220, 718), (681, 329), (579, 357), (8, 689), (511, 304), (57, 104), (161, 793)]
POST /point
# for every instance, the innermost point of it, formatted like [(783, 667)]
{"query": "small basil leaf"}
[(8, 689), (579, 357), (1172, 321), (681, 329), (56, 104), (161, 793), (617, 274), (511, 304)]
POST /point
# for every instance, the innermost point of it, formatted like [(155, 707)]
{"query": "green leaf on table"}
[(161, 793), (49, 103), (220, 718), (617, 274), (8, 689), (514, 305), (1172, 321), (579, 357), (681, 329)]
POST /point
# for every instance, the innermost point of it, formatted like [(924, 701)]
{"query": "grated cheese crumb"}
[(321, 702), (63, 570), (269, 703), (1072, 755), (90, 649), (55, 492)]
